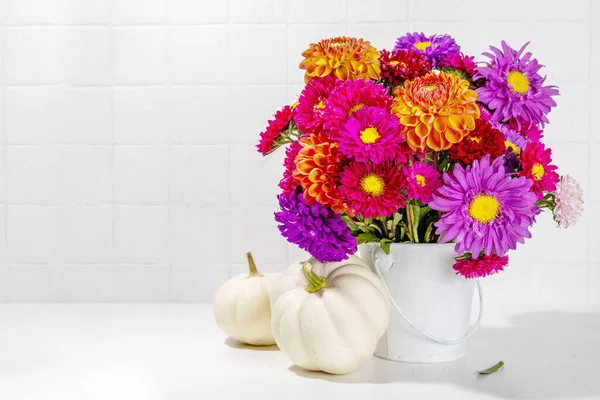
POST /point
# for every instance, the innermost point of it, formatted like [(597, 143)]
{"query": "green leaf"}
[(396, 219), (385, 245), (428, 232), (366, 237), (424, 211), (406, 230), (492, 369), (375, 227)]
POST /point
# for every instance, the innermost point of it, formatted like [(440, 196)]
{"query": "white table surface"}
[(170, 351)]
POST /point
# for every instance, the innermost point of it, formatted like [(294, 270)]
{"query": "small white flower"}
[(569, 201)]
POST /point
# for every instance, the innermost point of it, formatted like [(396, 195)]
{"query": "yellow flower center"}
[(422, 45), (512, 146), (484, 208), (394, 62), (355, 108), (420, 180), (430, 87), (518, 81), (372, 185), (537, 171), (320, 104), (369, 135), (476, 139)]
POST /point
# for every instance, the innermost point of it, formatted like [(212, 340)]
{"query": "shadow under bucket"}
[(431, 305)]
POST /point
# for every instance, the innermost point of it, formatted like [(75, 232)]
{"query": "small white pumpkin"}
[(329, 316), (242, 307)]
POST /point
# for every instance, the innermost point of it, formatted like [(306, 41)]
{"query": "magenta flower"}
[(350, 97), (514, 88), (485, 209), (422, 181), (480, 267), (372, 190), (370, 134), (308, 114)]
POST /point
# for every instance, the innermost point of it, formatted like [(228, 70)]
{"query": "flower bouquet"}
[(419, 144)]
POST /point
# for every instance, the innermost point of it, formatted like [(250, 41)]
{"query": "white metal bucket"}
[(431, 305)]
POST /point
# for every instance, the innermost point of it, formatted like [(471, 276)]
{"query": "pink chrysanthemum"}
[(459, 62), (569, 202), (351, 96), (309, 111), (422, 181), (372, 190), (529, 130), (371, 134), (268, 138), (288, 184), (536, 159), (480, 267)]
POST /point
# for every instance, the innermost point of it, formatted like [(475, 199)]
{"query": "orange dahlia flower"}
[(437, 110), (318, 170), (347, 58)]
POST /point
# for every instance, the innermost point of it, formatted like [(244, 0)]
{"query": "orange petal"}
[(315, 175), (434, 141), (313, 190), (453, 136), (342, 73), (427, 118), (409, 120), (305, 167), (320, 160), (422, 130), (457, 122), (440, 124), (470, 122), (413, 139)]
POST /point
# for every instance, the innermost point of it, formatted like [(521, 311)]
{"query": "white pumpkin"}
[(242, 306), (329, 316)]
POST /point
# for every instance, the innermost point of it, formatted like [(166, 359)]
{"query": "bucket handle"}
[(472, 329)]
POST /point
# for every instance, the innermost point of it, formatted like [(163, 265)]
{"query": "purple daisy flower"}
[(314, 228), (485, 209), (514, 88), (434, 47), (512, 139)]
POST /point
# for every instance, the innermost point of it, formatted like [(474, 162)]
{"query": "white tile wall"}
[(140, 115), (127, 166)]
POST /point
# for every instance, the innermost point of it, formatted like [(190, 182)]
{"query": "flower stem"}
[(409, 222), (252, 270), (315, 282), (415, 223)]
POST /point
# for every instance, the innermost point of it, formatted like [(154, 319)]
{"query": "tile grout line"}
[(229, 163), (169, 152), (5, 147), (590, 155), (111, 57)]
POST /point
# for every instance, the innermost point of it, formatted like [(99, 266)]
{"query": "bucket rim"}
[(409, 244)]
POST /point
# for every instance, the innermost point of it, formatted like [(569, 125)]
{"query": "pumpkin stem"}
[(252, 270), (315, 282)]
